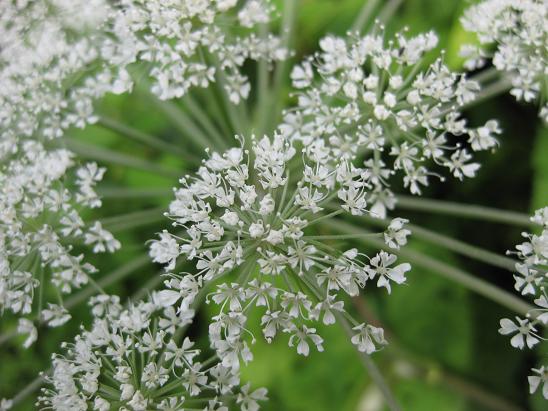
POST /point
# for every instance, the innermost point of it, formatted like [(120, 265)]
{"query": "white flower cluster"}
[(58, 56), (137, 358), (366, 97), (255, 210), (184, 43), (40, 223), (531, 280), (518, 33)]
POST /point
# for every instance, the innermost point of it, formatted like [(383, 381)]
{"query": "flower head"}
[(368, 97), (531, 279), (517, 31), (42, 194), (248, 218), (136, 358)]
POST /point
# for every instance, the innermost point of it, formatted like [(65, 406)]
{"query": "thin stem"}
[(463, 248), (462, 277), (372, 369), (144, 138), (205, 121), (262, 89), (114, 276), (339, 236), (457, 246), (485, 75), (29, 389), (463, 210), (280, 75), (122, 192), (388, 10), (90, 151), (362, 21), (134, 219), (184, 124)]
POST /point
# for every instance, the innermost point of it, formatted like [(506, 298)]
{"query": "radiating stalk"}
[(29, 389), (263, 103), (362, 21), (108, 279), (122, 192), (184, 124), (205, 121), (486, 75), (90, 151), (463, 210), (388, 10), (147, 139), (462, 277), (134, 219), (457, 246), (280, 71), (372, 369)]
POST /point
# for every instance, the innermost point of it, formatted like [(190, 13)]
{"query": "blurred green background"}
[(445, 352)]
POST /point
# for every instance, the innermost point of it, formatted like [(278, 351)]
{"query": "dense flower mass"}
[(247, 218), (364, 96), (41, 195), (531, 279), (137, 358), (514, 34), (58, 56)]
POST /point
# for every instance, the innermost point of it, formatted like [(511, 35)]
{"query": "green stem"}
[(372, 369), (184, 124), (205, 121), (29, 389), (280, 72), (463, 210), (114, 276), (457, 246), (362, 21), (144, 138), (122, 192), (135, 219), (462, 277), (90, 151), (388, 10)]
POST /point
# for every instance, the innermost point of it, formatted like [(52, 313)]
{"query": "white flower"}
[(525, 332), (514, 35), (55, 315), (366, 337), (105, 356), (396, 234), (266, 237), (25, 326), (380, 266), (249, 399), (540, 377), (357, 85)]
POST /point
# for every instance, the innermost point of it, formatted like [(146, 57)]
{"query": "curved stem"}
[(93, 152), (462, 277), (144, 138), (122, 192), (362, 21), (463, 210), (372, 370), (456, 246), (388, 10)]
